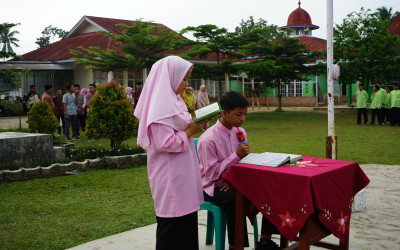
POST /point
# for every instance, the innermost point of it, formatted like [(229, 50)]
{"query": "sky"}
[(35, 15)]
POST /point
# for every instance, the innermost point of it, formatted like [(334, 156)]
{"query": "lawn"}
[(62, 212)]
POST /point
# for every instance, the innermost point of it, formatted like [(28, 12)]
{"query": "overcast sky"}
[(35, 15)]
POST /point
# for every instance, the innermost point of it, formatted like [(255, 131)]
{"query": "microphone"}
[(240, 137)]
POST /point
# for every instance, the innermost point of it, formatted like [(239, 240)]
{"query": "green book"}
[(207, 111)]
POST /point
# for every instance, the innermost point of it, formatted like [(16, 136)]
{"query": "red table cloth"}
[(289, 194)]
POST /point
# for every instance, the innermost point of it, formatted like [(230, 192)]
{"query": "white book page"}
[(292, 157), (270, 160), (206, 110)]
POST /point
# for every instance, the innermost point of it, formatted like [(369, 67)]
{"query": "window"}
[(100, 77), (119, 76), (195, 83), (293, 89), (133, 77)]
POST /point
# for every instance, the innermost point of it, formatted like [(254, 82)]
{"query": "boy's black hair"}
[(32, 86), (47, 87), (139, 83), (361, 85), (59, 89), (377, 87), (391, 88), (232, 99), (69, 86), (396, 84), (77, 86), (93, 85)]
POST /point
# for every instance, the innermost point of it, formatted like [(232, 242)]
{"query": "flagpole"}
[(331, 141)]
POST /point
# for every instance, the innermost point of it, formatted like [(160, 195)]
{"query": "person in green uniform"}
[(362, 98), (381, 111), (395, 103), (388, 106), (376, 104)]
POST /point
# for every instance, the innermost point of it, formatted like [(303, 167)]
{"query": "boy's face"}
[(360, 87), (387, 90), (235, 117)]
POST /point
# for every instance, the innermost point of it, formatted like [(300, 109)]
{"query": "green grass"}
[(23, 130), (304, 133), (63, 212)]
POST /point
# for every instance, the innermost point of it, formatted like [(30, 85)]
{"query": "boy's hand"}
[(224, 187), (243, 150)]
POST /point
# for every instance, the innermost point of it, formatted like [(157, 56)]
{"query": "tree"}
[(140, 46), (365, 49), (111, 114), (275, 62), (8, 39), (211, 40), (48, 33), (270, 32), (386, 14)]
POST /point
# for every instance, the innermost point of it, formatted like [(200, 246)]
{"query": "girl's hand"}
[(196, 127)]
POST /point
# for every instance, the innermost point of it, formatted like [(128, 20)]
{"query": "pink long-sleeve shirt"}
[(217, 152), (173, 171)]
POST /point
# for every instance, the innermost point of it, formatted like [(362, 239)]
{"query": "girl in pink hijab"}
[(128, 91), (165, 130)]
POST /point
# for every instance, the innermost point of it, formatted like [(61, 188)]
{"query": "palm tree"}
[(386, 14), (7, 37)]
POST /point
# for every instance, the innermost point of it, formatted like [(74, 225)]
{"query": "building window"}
[(119, 76), (195, 83), (293, 89), (134, 76), (100, 77)]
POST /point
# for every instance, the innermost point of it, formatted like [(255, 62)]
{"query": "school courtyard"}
[(113, 209)]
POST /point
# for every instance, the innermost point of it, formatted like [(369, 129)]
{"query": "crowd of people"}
[(71, 108), (192, 103), (385, 105)]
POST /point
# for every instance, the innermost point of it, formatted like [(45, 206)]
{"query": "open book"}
[(207, 111), (270, 159)]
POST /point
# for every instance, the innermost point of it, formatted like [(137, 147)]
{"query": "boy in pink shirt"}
[(218, 150)]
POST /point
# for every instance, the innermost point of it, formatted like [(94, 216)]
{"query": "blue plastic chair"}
[(216, 220)]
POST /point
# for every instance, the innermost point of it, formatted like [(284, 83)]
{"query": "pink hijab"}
[(158, 101), (128, 91), (84, 92)]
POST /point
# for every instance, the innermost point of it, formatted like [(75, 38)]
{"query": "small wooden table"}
[(311, 199)]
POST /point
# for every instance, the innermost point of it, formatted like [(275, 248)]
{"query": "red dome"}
[(299, 17)]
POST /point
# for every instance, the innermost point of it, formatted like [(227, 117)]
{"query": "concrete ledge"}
[(57, 169), (59, 153), (30, 173), (360, 201)]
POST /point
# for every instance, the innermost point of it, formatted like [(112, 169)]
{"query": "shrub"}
[(41, 119), (111, 114), (93, 152)]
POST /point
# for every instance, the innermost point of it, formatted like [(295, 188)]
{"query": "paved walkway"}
[(144, 238), (13, 122)]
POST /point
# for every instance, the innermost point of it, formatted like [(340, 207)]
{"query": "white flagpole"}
[(331, 104)]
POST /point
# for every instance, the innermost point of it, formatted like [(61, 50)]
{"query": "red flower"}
[(286, 220), (342, 222)]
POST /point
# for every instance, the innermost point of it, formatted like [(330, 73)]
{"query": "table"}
[(312, 195)]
